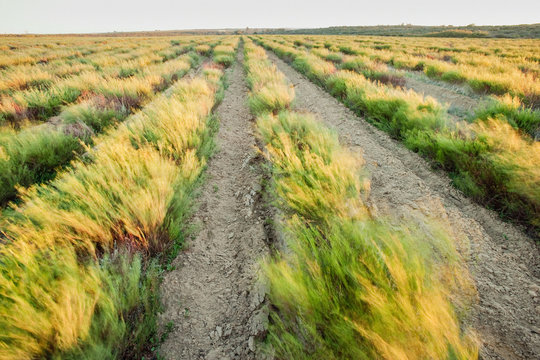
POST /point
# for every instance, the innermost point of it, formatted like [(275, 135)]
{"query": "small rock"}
[(259, 323), (251, 343), (257, 187), (213, 355), (219, 331), (259, 294)]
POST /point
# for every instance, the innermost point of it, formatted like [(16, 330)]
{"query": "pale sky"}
[(74, 16)]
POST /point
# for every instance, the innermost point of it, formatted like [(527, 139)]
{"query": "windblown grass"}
[(34, 155), (224, 55), (350, 285), (508, 108), (478, 160), (31, 157), (39, 91), (76, 258), (493, 66), (270, 90)]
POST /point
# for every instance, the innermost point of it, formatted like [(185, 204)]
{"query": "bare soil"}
[(214, 299), (503, 261), (460, 101), (443, 94)]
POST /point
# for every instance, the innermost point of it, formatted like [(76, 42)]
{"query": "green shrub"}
[(354, 65), (71, 281), (347, 50), (388, 109), (43, 104), (33, 157), (432, 71), (511, 110), (488, 86), (350, 286), (97, 116), (127, 72), (225, 60), (490, 162), (334, 57), (453, 77)]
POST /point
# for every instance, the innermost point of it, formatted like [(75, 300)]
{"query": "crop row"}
[(47, 72), (348, 285), (49, 52), (487, 158), (33, 155), (515, 74), (514, 112), (16, 52), (47, 97), (512, 49), (81, 257)]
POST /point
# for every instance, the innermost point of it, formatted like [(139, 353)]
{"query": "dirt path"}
[(457, 103), (213, 298), (461, 102), (504, 263)]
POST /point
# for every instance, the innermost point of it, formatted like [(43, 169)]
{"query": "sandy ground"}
[(504, 263), (214, 299)]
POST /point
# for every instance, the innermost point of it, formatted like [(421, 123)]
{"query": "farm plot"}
[(487, 66), (35, 153), (81, 257), (491, 157), (388, 286), (197, 197), (502, 260)]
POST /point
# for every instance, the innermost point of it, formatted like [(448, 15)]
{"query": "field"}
[(269, 196), (491, 151)]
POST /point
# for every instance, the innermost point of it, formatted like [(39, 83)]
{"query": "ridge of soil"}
[(213, 298), (504, 262)]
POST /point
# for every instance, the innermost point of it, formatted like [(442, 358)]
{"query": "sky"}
[(75, 16)]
